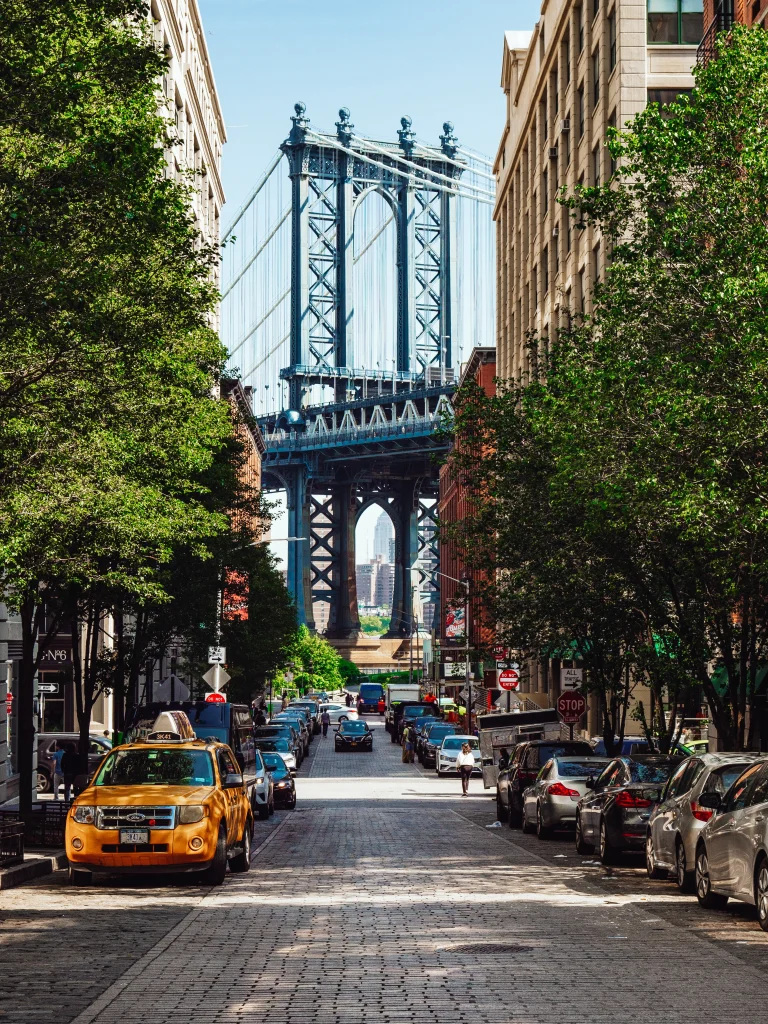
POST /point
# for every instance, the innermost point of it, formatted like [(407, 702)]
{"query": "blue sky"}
[(433, 60)]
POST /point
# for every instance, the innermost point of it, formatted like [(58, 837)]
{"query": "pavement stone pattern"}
[(383, 898)]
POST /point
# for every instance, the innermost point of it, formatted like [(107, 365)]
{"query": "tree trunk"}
[(25, 704)]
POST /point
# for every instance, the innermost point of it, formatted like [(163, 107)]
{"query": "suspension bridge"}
[(357, 277)]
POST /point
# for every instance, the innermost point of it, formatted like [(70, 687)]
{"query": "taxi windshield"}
[(156, 767)]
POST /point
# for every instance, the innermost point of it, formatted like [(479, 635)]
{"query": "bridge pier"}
[(299, 578), (344, 621), (406, 521)]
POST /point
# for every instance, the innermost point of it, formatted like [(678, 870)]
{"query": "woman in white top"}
[(465, 764)]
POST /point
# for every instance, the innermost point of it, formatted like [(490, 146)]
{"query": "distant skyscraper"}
[(382, 535)]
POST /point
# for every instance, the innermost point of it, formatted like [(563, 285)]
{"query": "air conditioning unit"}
[(555, 231), (565, 125), (553, 152)]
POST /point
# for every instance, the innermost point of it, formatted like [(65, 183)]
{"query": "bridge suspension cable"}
[(262, 182), (434, 186), (258, 253)]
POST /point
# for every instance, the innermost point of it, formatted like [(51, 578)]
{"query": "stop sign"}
[(571, 706), (509, 679)]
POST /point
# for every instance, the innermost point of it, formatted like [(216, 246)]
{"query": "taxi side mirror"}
[(234, 780)]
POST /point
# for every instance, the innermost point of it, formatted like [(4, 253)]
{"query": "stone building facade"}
[(584, 67)]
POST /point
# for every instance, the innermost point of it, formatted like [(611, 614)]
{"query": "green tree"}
[(316, 662)]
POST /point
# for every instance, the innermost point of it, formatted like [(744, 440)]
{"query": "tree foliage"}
[(625, 478)]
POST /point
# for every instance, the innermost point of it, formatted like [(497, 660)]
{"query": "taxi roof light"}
[(171, 727)]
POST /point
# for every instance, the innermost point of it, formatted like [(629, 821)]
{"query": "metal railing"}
[(722, 22), (11, 843), (44, 826), (425, 426)]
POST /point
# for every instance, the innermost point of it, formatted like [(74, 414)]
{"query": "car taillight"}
[(625, 799), (700, 813), (558, 789), (526, 776)]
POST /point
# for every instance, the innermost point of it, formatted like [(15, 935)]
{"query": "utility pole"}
[(467, 673)]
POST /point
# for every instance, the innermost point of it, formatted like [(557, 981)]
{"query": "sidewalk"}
[(36, 864)]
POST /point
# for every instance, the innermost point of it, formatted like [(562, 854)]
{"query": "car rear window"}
[(652, 773), (456, 743), (548, 750), (580, 769), (722, 779), (281, 746)]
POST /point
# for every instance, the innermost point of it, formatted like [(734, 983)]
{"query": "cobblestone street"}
[(383, 897)]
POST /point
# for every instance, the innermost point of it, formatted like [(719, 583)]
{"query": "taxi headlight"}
[(190, 813), (84, 814)]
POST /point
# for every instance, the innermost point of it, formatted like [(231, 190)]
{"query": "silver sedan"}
[(551, 801), (732, 849), (678, 818)]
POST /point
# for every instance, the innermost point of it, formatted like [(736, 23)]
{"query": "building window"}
[(544, 191), (582, 291), (611, 158), (567, 45), (580, 25), (596, 77), (675, 21), (612, 41), (544, 117), (596, 263), (545, 270), (581, 110), (566, 137), (664, 96), (596, 165), (535, 286), (595, 8), (555, 91), (542, 46)]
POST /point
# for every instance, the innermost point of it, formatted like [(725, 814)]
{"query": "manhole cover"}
[(485, 948)]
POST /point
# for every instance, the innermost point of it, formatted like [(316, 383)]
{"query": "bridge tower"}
[(375, 442)]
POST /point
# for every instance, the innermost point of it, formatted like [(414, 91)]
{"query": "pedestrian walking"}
[(408, 738), (465, 764), (70, 765), (58, 774), (348, 699), (325, 721), (381, 706)]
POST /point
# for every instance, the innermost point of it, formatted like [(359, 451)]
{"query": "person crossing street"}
[(465, 764)]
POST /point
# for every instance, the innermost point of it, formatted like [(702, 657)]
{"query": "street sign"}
[(217, 655), (571, 706), (216, 698), (571, 678), (45, 687), (216, 678), (509, 679), (500, 652)]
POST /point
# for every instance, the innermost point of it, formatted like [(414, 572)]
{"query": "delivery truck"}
[(504, 731)]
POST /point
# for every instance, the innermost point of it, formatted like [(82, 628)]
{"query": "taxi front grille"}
[(134, 848), (135, 817)]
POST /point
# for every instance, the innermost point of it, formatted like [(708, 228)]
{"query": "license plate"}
[(134, 835)]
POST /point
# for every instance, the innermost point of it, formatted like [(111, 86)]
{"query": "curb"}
[(20, 874)]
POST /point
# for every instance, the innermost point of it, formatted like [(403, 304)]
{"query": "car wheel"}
[(343, 718), (707, 899), (582, 846), (515, 819), (214, 874), (653, 869), (608, 853), (272, 808), (685, 879), (527, 827), (761, 894), (263, 811), (44, 783), (542, 831), (76, 877), (242, 861), (292, 805), (501, 810)]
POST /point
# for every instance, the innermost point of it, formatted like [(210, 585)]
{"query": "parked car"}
[(614, 814), (521, 772), (550, 803), (278, 746), (630, 745), (299, 724), (47, 746), (449, 750), (263, 794), (339, 713), (394, 716), (282, 780), (303, 715), (353, 736), (431, 738), (420, 725), (410, 715), (313, 707), (678, 819), (732, 849), (281, 730)]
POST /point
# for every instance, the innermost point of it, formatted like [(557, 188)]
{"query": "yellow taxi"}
[(170, 803)]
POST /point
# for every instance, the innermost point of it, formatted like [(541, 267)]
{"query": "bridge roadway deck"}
[(381, 899)]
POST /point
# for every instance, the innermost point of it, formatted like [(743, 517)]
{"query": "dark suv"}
[(47, 745), (522, 770)]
